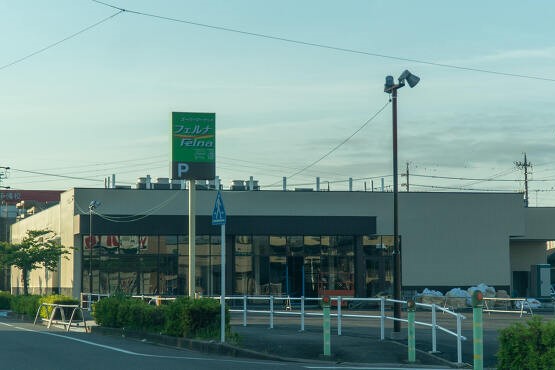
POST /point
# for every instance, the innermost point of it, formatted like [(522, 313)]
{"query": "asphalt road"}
[(28, 347)]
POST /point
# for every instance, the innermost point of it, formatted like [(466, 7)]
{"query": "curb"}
[(210, 346), (214, 347)]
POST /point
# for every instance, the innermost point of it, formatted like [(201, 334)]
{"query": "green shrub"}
[(25, 304), (5, 300), (105, 311), (527, 346), (198, 318), (202, 319), (175, 312), (58, 299)]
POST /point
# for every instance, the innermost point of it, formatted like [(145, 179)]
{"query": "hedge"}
[(5, 300), (59, 299), (184, 317), (527, 346), (25, 304), (29, 304)]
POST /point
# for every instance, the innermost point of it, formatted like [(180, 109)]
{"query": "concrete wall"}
[(540, 223), (527, 253), (458, 239), (41, 281)]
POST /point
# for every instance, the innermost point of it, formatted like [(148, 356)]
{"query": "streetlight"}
[(92, 206), (391, 87)]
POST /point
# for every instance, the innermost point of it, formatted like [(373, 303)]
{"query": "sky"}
[(297, 92)]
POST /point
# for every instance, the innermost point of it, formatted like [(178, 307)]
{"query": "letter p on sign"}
[(182, 169)]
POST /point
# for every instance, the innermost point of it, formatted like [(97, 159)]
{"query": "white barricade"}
[(525, 307), (60, 308)]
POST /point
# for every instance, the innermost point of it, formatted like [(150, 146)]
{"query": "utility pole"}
[(406, 174), (524, 165), (3, 175)]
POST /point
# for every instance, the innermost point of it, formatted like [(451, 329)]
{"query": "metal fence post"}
[(271, 312), (302, 313), (339, 315), (244, 310), (477, 330), (411, 308), (382, 318), (326, 326), (459, 340), (434, 329)]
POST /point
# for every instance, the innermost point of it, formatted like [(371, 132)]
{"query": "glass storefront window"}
[(244, 277), (377, 252), (309, 265), (295, 245)]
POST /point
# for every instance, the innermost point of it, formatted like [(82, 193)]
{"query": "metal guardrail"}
[(154, 299), (340, 316), (60, 308), (87, 299), (302, 313), (508, 302)]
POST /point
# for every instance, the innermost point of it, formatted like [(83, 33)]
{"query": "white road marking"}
[(138, 353)]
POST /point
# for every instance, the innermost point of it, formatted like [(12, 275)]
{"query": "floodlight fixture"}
[(411, 79)]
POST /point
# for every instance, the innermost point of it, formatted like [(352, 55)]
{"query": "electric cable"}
[(329, 47), (60, 41), (131, 218), (55, 175), (338, 145)]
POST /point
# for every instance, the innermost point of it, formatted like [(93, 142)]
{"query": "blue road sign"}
[(218, 214)]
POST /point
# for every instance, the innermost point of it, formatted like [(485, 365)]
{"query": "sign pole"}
[(192, 237), (222, 294), (219, 218)]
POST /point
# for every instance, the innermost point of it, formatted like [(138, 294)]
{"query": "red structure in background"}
[(12, 197)]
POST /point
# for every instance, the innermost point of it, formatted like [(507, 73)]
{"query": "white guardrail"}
[(507, 303), (87, 299), (52, 308), (302, 313)]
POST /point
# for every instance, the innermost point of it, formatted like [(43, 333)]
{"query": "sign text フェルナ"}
[(193, 146)]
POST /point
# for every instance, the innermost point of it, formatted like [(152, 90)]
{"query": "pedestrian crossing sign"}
[(218, 214)]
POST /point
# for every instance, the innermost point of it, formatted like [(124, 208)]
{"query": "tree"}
[(37, 249)]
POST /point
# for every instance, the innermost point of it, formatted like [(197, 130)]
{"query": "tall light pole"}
[(92, 206), (391, 87)]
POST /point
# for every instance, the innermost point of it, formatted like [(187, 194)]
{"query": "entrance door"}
[(520, 284), (295, 276)]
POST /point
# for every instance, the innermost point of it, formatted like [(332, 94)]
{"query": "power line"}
[(60, 41), (55, 175), (105, 163), (329, 47), (476, 179), (110, 169), (338, 145), (462, 188)]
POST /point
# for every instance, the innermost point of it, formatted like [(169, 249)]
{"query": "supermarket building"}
[(298, 243)]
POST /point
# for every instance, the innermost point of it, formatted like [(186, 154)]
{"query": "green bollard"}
[(411, 308), (478, 329), (326, 322)]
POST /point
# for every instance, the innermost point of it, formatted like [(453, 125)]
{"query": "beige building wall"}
[(41, 281), (70, 271)]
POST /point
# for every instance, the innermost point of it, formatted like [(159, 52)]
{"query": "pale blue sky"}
[(100, 103)]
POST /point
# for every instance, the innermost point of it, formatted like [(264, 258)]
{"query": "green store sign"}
[(193, 146)]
